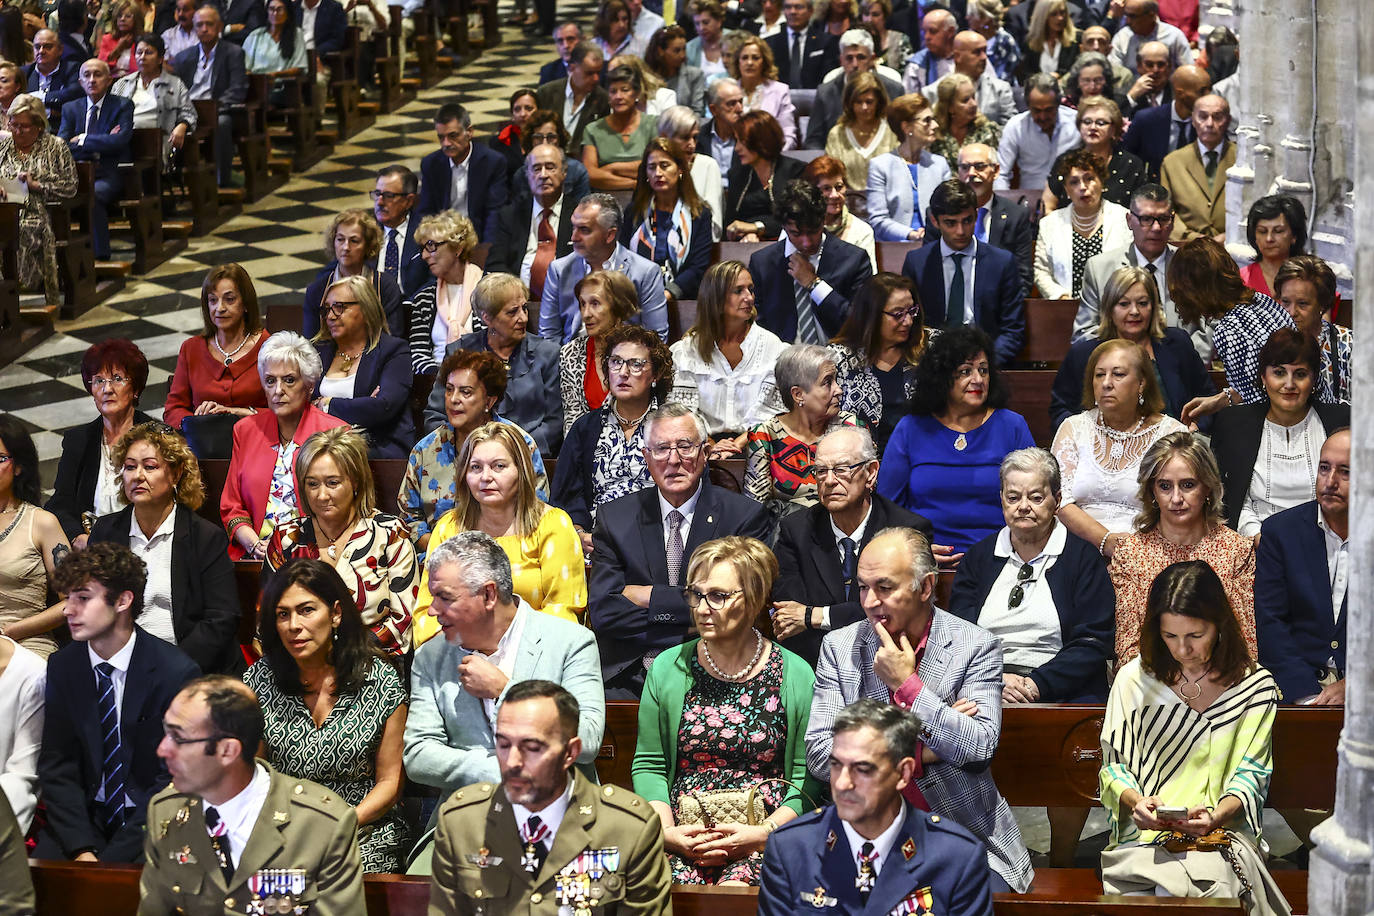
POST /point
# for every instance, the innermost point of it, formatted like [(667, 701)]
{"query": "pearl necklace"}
[(1085, 226), (738, 675), (631, 423), (229, 356), (1118, 437)]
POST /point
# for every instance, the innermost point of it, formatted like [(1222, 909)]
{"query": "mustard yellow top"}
[(546, 567)]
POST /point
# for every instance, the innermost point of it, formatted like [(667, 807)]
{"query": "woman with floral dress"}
[(726, 711)]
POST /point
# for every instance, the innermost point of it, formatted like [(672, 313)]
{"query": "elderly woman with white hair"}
[(682, 124), (367, 374), (260, 491), (781, 450), (442, 312)]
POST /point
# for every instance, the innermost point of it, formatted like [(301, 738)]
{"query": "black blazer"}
[(397, 323), (809, 565), (627, 549), (205, 607), (1030, 62), (1176, 361), (228, 80), (1236, 434), (704, 144), (331, 25), (749, 200), (1010, 229), (511, 235), (550, 97), (69, 764), (1084, 600), (552, 71), (844, 266), (487, 187), (73, 492), (251, 14), (685, 282), (820, 53), (1294, 623), (384, 417), (1149, 137), (999, 306), (65, 86), (574, 488)]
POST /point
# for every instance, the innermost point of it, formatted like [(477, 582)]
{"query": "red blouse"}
[(202, 376), (592, 388)]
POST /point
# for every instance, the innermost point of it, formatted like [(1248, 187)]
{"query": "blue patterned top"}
[(1004, 55)]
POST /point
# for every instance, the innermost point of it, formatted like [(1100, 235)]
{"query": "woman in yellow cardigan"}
[(499, 498)]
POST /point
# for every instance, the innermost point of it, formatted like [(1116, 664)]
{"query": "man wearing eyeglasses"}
[(393, 203), (233, 835), (818, 549), (944, 670), (643, 541), (105, 695)]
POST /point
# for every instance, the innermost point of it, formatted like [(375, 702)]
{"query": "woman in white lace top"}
[(1099, 450)]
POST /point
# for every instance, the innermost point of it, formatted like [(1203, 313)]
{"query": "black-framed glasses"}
[(182, 742), (913, 313), (1023, 581), (335, 309), (1160, 221), (820, 471), (387, 196), (432, 246), (715, 599)]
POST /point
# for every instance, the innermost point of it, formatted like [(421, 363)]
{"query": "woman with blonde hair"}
[(499, 498), (353, 241), (727, 710), (190, 599), (45, 161), (750, 62), (723, 366), (607, 299), (862, 131), (367, 377), (340, 524), (1182, 517), (1051, 39), (442, 312), (961, 122)]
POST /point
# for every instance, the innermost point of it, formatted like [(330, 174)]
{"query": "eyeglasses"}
[(387, 196), (547, 137), (632, 366), (913, 313), (182, 742), (662, 450), (432, 246), (715, 599), (1023, 581), (1148, 221), (117, 381), (4, 460), (1095, 122), (974, 166), (821, 471), (334, 310)]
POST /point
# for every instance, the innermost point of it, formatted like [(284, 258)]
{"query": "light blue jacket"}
[(890, 192)]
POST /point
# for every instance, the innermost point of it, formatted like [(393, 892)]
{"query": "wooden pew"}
[(297, 116), (1049, 327), (426, 48), (71, 225), (736, 251), (892, 255), (141, 198), (386, 49), (250, 138), (198, 173), (1030, 397), (343, 86), (10, 318), (386, 475), (682, 315)]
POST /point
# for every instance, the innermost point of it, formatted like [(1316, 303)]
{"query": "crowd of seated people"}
[(746, 490)]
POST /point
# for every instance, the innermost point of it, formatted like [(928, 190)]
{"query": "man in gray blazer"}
[(595, 228), (491, 639), (946, 671)]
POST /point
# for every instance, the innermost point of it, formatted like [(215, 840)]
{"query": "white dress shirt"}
[(308, 14), (402, 233), (532, 239), (1030, 632), (202, 82), (947, 262), (551, 816), (723, 151), (458, 193), (1337, 564), (688, 510), (882, 845), (21, 696), (120, 662), (506, 647), (156, 553), (240, 813), (729, 398)]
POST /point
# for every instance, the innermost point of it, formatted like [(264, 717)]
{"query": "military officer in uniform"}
[(872, 852), (16, 887), (232, 835), (546, 840)]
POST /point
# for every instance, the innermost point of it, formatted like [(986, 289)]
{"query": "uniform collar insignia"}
[(830, 839), (818, 898), (908, 849)]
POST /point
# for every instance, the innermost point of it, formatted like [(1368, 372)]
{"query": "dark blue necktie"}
[(848, 567), (112, 768), (392, 262)]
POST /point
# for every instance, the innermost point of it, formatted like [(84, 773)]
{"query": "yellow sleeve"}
[(423, 626), (562, 571)]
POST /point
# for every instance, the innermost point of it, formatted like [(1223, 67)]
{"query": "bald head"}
[(1190, 83), (1211, 118), (970, 54), (1153, 60), (937, 32), (1095, 38)]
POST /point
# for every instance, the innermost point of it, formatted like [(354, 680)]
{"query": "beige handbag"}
[(728, 806)]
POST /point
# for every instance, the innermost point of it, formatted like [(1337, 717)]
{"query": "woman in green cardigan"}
[(726, 711)]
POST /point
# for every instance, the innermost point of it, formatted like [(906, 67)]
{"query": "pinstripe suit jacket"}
[(961, 661)]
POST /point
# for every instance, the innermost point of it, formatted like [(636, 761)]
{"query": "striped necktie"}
[(112, 767)]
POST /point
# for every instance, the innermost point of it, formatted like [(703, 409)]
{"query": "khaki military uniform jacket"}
[(303, 845), (609, 849)]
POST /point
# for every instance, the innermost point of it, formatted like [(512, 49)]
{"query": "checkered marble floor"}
[(278, 240)]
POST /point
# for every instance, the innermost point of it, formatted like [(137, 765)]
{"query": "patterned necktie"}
[(219, 842), (866, 876), (808, 328), (848, 566), (954, 307), (675, 520), (533, 832), (1212, 165), (91, 117), (392, 262), (543, 253), (794, 62), (112, 769)]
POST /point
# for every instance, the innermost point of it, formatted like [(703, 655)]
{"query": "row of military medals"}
[(275, 890), (573, 885)]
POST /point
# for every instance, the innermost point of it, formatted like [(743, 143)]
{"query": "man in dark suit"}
[(1153, 86), (241, 17), (461, 175), (565, 38), (323, 24), (829, 103), (215, 70), (105, 696), (580, 97), (642, 543), (100, 129), (1302, 570), (393, 203), (75, 25), (815, 591), (872, 851), (825, 271), (992, 298), (520, 245), (1157, 131), (817, 52), (53, 80)]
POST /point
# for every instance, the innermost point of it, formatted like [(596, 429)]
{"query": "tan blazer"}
[(1199, 204)]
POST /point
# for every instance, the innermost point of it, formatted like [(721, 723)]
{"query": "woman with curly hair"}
[(190, 600), (441, 312), (961, 122), (352, 242)]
